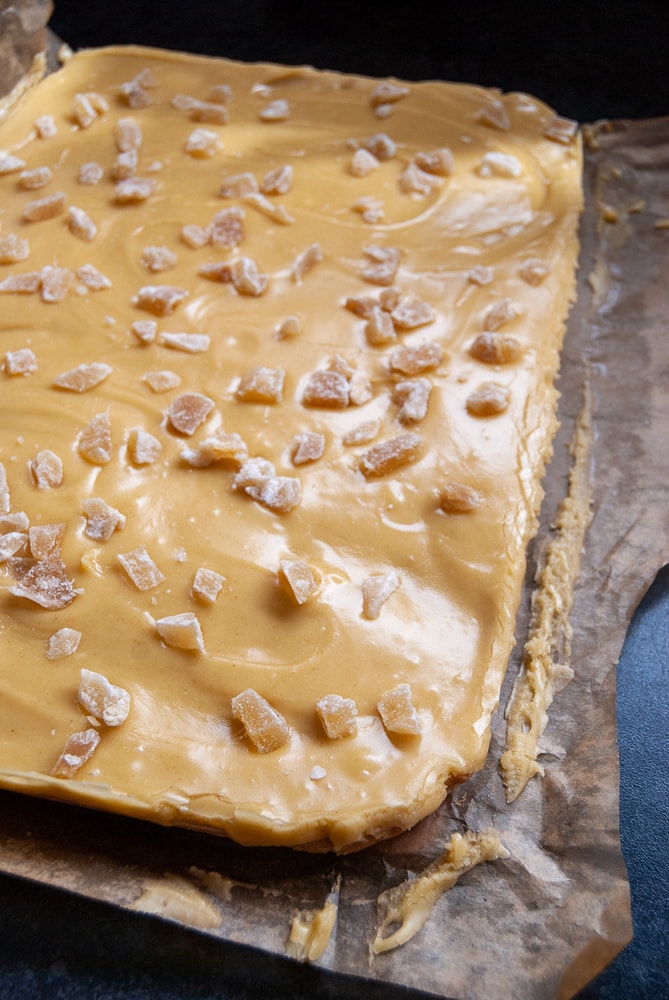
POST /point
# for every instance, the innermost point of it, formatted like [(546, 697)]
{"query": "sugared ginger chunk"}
[(102, 520), (127, 135), (277, 181), (30, 180), (188, 411), (45, 208), (140, 568), (207, 584), (275, 111), (145, 330), (252, 471), (132, 190), (20, 362), (410, 313), (5, 500), (381, 146), (414, 360), (91, 173), (106, 702), (46, 539), (307, 447), (499, 314), (220, 447), (92, 279), (299, 577), (83, 377), (56, 282), (306, 261), (78, 749), (362, 434), (202, 143), (158, 258), (389, 455), (45, 127), (95, 440), (413, 398), (162, 381), (277, 213), (379, 328), (226, 228), (189, 343), (457, 498), (495, 348), (363, 163), (338, 716), (143, 447), (237, 185), (181, 632), (47, 584), (398, 713), (261, 385), (328, 389), (488, 400), (437, 161), (47, 470), (265, 727), (278, 493), (64, 642), (13, 249), (534, 270), (383, 267), (375, 592), (161, 300)]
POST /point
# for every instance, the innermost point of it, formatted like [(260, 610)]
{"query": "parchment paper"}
[(546, 920)]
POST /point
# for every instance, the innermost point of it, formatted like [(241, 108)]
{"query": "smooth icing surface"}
[(335, 574)]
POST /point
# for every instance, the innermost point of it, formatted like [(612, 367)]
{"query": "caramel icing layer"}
[(381, 325)]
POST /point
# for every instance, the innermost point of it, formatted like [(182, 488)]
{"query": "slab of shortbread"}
[(279, 353)]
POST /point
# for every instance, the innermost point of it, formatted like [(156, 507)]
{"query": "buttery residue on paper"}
[(311, 930), (177, 899), (410, 904), (545, 668)]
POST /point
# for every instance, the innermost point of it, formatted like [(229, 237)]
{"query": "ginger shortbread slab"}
[(279, 350)]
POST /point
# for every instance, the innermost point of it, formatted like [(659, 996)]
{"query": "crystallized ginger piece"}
[(221, 447), (363, 163), (95, 440), (132, 190), (140, 568), (91, 173), (237, 185), (20, 362), (371, 209), (227, 228), (80, 224), (534, 270), (207, 584), (495, 164), (45, 208), (83, 377), (251, 472), (379, 328), (375, 592), (45, 127), (414, 360), (494, 115), (384, 264), (262, 204), (5, 499), (127, 135), (277, 181), (162, 381), (307, 447), (188, 411), (275, 111), (158, 259), (181, 631), (261, 385), (457, 498), (411, 313), (495, 349), (398, 713), (101, 699), (102, 520), (64, 642), (480, 275), (56, 282), (202, 143), (338, 716), (12, 542), (46, 539), (13, 249), (161, 300), (46, 583), (194, 236), (437, 161), (278, 493), (10, 164), (189, 343), (145, 330), (143, 447), (362, 434), (306, 261), (92, 279), (22, 284), (387, 93), (327, 389), (31, 180), (47, 470), (389, 455), (499, 314), (125, 165), (413, 180), (299, 577), (488, 400), (265, 726), (381, 146), (413, 398), (562, 130), (78, 749)]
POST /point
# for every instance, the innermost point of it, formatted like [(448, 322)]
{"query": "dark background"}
[(589, 60)]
